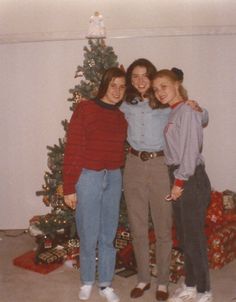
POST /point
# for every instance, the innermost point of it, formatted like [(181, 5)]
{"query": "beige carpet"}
[(61, 285)]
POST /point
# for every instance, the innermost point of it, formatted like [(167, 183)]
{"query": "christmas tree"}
[(58, 226)]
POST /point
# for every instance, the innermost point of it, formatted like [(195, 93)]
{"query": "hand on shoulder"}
[(194, 105)]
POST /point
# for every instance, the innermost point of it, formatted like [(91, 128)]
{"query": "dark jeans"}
[(189, 214)]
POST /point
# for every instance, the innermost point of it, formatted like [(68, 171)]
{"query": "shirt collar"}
[(176, 104), (106, 105)]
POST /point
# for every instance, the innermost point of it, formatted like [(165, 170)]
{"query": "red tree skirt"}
[(27, 261)]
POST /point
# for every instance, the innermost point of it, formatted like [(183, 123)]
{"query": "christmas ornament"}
[(96, 27), (77, 97)]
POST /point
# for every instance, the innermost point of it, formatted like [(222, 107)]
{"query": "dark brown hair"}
[(131, 91), (109, 74)]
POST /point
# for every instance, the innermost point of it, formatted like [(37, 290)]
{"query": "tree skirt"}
[(27, 261)]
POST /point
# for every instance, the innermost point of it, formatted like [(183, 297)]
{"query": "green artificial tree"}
[(59, 225)]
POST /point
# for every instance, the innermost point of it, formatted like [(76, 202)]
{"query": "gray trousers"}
[(146, 183), (189, 214)]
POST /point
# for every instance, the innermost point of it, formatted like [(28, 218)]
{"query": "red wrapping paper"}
[(215, 209), (229, 215), (222, 245)]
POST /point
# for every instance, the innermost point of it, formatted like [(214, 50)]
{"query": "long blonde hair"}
[(175, 75)]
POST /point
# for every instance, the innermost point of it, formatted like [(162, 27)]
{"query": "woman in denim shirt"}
[(146, 177)]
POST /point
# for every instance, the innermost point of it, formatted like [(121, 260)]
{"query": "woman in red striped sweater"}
[(94, 153)]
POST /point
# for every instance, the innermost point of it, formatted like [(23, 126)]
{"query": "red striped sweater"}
[(95, 140)]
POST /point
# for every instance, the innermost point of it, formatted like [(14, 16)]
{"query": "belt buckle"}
[(144, 155)]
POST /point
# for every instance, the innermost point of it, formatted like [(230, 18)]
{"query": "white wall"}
[(34, 83), (35, 79), (39, 20)]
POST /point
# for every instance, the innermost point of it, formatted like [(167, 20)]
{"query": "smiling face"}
[(140, 80), (166, 90), (115, 91)]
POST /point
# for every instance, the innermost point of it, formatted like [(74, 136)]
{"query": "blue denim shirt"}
[(145, 125)]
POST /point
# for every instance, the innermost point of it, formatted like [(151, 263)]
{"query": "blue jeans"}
[(97, 215)]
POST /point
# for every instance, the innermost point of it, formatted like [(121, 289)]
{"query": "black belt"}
[(145, 155)]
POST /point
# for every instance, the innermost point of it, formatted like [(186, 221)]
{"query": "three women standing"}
[(93, 156)]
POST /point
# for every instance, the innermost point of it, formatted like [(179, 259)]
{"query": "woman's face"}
[(115, 91), (165, 90), (140, 80)]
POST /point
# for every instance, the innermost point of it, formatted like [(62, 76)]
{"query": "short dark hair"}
[(131, 91), (109, 74)]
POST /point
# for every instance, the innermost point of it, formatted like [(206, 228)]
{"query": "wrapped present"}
[(123, 238), (229, 200), (152, 237), (152, 254), (223, 256), (174, 276), (229, 215), (177, 257), (27, 261), (176, 265), (53, 255), (175, 242), (72, 247), (222, 245), (215, 209), (125, 257), (222, 235), (47, 257)]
